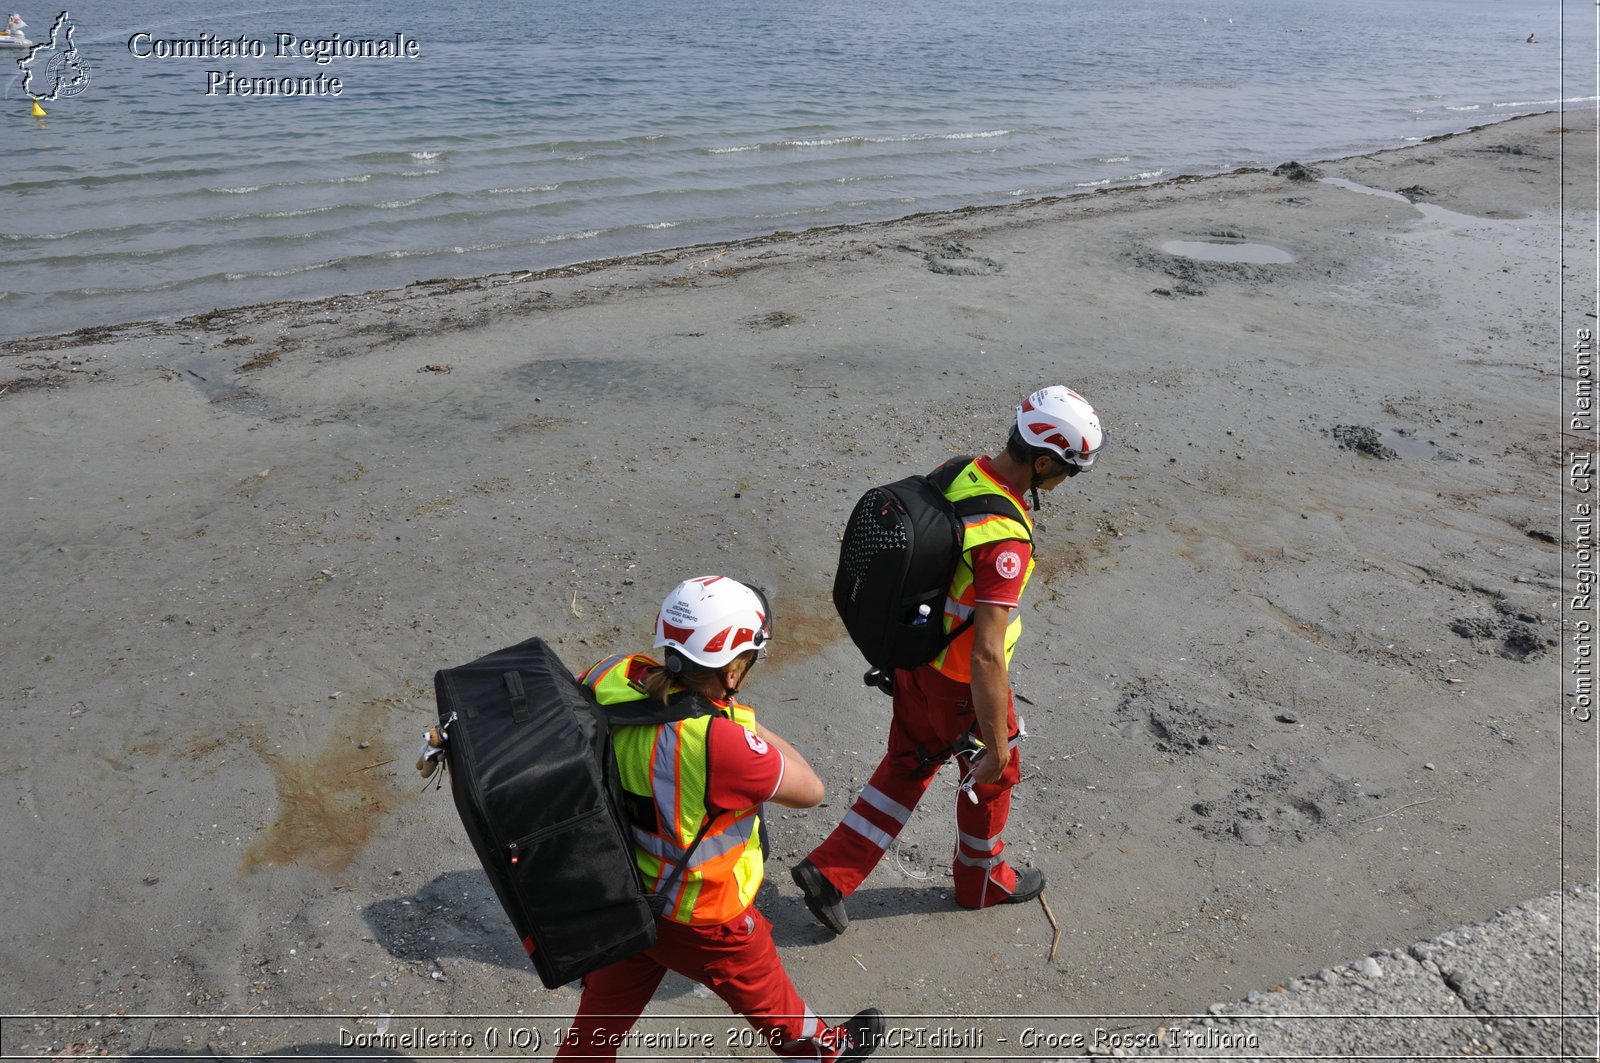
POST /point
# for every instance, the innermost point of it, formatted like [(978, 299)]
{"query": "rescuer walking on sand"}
[(959, 704), (695, 785)]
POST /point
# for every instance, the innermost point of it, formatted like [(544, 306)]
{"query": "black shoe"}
[(825, 902), (863, 1035), (1030, 883)]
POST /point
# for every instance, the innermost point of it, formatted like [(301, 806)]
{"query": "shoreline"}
[(675, 254), (1292, 661)]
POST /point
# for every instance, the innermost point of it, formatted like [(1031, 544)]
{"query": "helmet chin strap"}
[(1033, 485), (1071, 468)]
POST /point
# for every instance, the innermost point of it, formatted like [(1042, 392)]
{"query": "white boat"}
[(12, 36)]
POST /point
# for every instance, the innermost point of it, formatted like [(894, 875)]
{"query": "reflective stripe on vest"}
[(667, 764), (616, 678), (981, 528)]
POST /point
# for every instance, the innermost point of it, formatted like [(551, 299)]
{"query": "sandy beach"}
[(1291, 666)]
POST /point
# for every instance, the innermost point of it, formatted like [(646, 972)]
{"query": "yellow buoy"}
[(38, 112)]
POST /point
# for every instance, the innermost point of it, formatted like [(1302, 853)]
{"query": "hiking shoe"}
[(863, 1033), (825, 902), (1030, 883)]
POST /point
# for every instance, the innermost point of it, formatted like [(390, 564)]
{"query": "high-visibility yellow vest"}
[(981, 528), (621, 678), (665, 764)]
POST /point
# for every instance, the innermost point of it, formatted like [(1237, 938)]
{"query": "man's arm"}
[(991, 689)]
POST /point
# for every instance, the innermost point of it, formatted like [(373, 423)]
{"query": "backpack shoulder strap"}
[(993, 505), (647, 711), (690, 705), (658, 899), (998, 505)]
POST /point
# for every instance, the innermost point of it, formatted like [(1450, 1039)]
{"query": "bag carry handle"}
[(517, 696)]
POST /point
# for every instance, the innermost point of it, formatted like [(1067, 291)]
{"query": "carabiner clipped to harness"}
[(969, 747)]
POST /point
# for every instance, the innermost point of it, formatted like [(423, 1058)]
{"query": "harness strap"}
[(658, 900), (685, 706)]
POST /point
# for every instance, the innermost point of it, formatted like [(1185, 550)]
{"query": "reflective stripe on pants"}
[(737, 960), (930, 713)]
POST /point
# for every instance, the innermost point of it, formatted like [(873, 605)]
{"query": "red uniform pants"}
[(737, 960), (931, 713)]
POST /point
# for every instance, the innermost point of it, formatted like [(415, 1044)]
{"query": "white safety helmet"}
[(710, 621), (1061, 421)]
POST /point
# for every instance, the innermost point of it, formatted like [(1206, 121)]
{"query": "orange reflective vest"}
[(664, 767), (977, 530)]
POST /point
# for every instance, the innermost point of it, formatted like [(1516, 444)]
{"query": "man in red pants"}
[(959, 704), (694, 789)]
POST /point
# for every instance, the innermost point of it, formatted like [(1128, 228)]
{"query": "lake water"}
[(525, 136)]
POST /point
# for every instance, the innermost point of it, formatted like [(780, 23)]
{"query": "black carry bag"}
[(535, 782), (896, 558)]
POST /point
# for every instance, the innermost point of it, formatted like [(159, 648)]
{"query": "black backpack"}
[(535, 782), (900, 549)]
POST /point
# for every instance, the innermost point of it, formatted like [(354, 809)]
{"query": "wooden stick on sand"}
[(1055, 941)]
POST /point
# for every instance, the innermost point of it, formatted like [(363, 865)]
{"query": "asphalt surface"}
[(1522, 984)]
